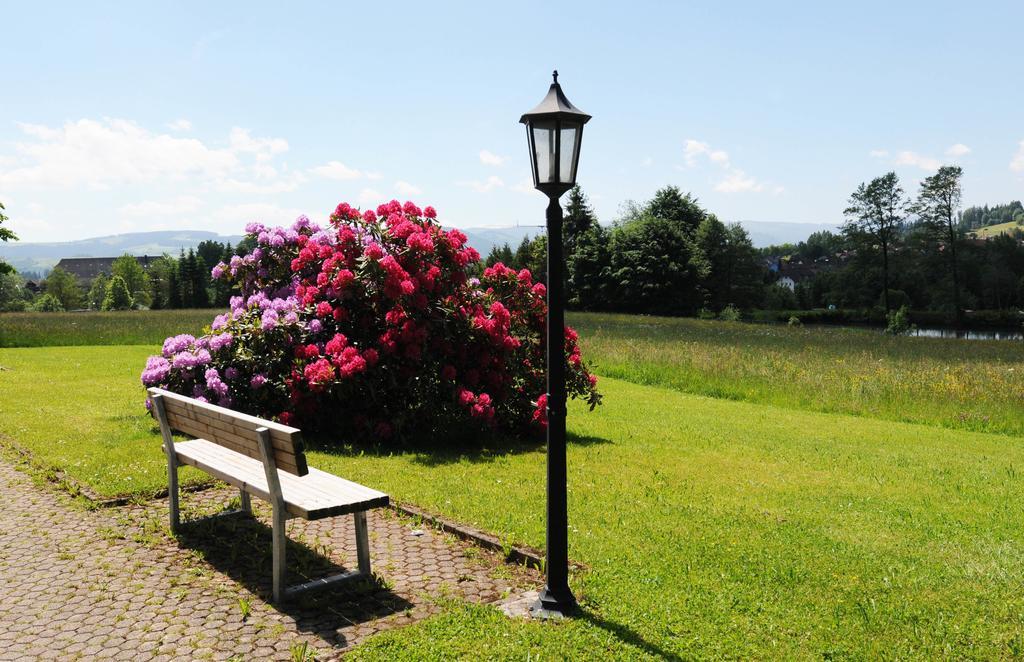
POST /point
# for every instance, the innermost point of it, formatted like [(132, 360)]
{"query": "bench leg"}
[(279, 549), (362, 543), (172, 491), (246, 503)]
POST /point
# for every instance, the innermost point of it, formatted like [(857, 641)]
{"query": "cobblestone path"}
[(111, 583)]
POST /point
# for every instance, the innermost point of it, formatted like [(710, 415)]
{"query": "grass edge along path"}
[(711, 527)]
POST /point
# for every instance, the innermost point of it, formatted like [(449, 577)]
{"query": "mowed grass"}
[(969, 385), (131, 327), (710, 527)]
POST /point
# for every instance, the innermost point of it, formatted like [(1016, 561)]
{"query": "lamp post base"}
[(554, 604)]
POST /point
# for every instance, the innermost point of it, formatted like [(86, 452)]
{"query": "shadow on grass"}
[(239, 546), (455, 450), (626, 635)]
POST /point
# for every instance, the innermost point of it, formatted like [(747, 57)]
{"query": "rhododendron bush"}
[(372, 328)]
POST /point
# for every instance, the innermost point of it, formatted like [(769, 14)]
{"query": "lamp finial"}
[(554, 74)]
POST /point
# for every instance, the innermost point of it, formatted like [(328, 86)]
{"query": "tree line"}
[(169, 282)]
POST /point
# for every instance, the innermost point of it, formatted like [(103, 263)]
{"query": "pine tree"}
[(118, 297), (173, 284), (579, 217)]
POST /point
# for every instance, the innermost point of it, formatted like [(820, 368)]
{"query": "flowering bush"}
[(372, 328)]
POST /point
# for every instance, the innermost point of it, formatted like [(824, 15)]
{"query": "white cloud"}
[(958, 150), (735, 180), (264, 148), (180, 125), (284, 185), (525, 185), (369, 196), (490, 184), (694, 149), (917, 160), (102, 154), (1017, 164), (738, 181), (879, 153), (337, 170), (490, 158), (114, 152), (405, 188), (181, 205)]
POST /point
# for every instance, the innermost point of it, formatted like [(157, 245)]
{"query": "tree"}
[(522, 254), (670, 204), (210, 251), (97, 292), (653, 267), (874, 218), (588, 270), (118, 297), (12, 292), (5, 236), (64, 288), (537, 259), (173, 283), (501, 254), (135, 277), (579, 217), (937, 205)]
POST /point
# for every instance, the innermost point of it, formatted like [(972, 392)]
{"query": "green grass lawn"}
[(711, 527), (969, 385)]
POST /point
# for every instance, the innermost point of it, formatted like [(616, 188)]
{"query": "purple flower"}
[(220, 341), (269, 319), (220, 321), (315, 326), (176, 344), (258, 380), (231, 373), (217, 271), (157, 370), (254, 228), (277, 241)]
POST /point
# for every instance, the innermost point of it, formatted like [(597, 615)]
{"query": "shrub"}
[(47, 303), (730, 314), (899, 322), (371, 328), (794, 321), (118, 297)]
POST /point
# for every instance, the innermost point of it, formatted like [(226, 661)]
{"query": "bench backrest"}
[(233, 430)]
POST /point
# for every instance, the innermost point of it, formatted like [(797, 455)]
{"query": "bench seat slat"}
[(236, 443), (314, 496)]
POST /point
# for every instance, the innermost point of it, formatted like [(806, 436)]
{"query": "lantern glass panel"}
[(545, 158), (569, 151)]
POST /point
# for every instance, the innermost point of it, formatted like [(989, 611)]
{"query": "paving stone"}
[(113, 583)]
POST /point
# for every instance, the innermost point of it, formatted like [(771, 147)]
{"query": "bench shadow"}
[(626, 635), (454, 451), (239, 546)]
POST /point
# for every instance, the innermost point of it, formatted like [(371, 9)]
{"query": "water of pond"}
[(969, 335)]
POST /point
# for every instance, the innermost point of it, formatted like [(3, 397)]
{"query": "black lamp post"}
[(554, 129)]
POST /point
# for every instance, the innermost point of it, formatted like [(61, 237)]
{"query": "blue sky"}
[(137, 116)]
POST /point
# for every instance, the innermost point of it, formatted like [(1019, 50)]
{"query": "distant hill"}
[(42, 256), (27, 256), (771, 233)]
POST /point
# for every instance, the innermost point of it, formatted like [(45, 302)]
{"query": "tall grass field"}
[(969, 385)]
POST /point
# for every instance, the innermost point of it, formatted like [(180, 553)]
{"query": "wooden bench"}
[(266, 460)]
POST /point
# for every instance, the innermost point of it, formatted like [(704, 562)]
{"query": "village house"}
[(85, 269)]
